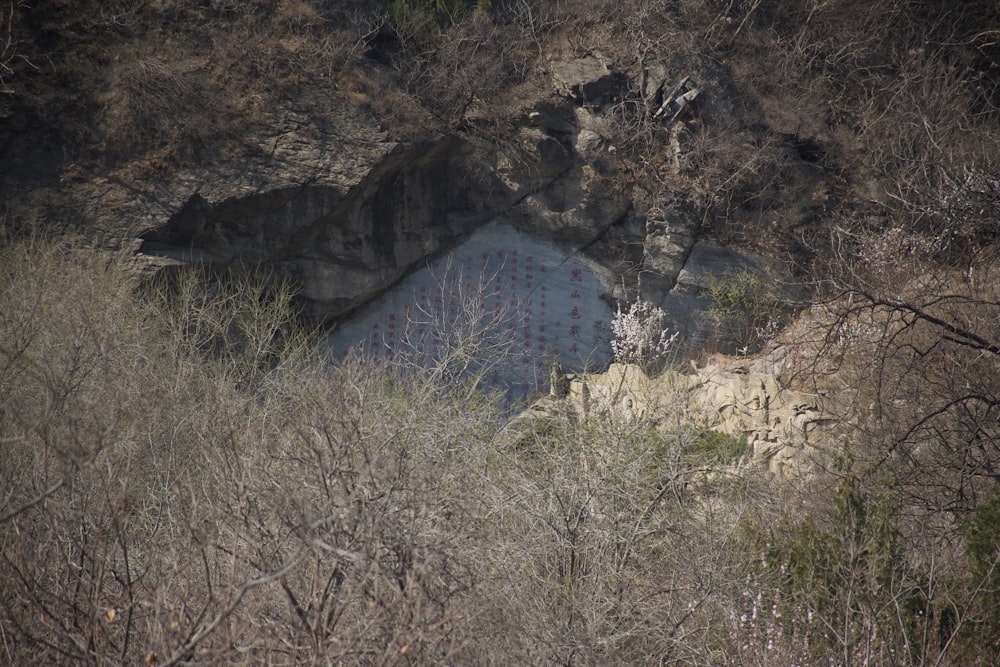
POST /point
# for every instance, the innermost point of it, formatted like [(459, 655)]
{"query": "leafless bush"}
[(461, 339), (594, 534), (185, 481), (304, 41), (908, 343), (11, 53), (467, 71), (222, 65), (148, 96), (113, 548), (158, 506), (910, 322)]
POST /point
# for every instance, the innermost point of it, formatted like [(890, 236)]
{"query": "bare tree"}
[(462, 336)]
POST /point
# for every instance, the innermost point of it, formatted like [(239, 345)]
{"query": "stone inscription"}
[(512, 293)]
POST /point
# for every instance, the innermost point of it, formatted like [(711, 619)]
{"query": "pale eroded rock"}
[(788, 431)]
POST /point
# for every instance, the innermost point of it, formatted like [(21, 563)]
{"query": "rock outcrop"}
[(319, 190), (586, 80), (788, 431), (347, 224)]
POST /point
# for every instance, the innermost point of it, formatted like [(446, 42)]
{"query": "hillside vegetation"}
[(185, 480)]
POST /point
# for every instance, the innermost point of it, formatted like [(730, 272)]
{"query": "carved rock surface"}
[(526, 300), (788, 430)]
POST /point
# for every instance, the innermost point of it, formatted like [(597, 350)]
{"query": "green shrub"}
[(718, 448), (982, 537), (747, 302), (837, 582)]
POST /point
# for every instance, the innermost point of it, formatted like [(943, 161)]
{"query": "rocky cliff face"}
[(348, 212), (321, 191)]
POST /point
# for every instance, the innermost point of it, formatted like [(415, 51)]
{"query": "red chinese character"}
[(575, 313), (576, 276), (575, 331), (575, 294)]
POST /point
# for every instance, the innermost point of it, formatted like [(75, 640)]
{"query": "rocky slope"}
[(321, 188), (345, 147)]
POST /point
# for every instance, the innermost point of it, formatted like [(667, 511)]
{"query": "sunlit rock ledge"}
[(788, 431)]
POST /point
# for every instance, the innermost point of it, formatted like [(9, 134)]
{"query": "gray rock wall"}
[(517, 301), (327, 198)]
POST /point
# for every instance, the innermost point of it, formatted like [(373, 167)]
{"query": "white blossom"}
[(639, 335)]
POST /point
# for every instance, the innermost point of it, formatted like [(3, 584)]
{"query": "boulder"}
[(671, 230), (586, 80), (709, 261)]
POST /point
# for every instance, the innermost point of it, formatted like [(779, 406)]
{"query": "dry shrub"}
[(464, 71), (147, 96), (190, 76), (182, 482), (168, 495), (185, 481)]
